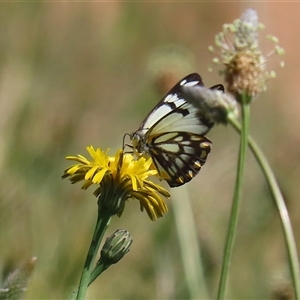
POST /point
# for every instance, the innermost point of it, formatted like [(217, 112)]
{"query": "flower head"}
[(245, 65), (119, 178)]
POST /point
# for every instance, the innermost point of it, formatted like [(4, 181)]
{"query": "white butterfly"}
[(173, 134)]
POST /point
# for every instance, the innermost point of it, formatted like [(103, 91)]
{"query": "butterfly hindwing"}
[(218, 87), (179, 156)]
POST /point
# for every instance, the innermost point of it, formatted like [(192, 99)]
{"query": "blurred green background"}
[(79, 74)]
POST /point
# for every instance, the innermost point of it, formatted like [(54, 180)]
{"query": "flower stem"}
[(281, 208), (101, 226), (237, 196), (96, 272)]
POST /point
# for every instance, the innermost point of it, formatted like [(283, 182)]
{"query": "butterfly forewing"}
[(185, 118), (172, 101)]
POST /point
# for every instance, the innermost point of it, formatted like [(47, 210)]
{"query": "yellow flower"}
[(120, 178), (244, 63)]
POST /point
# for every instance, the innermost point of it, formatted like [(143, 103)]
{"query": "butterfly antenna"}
[(125, 144), (124, 137)]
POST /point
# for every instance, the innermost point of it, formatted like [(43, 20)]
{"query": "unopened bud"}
[(115, 247)]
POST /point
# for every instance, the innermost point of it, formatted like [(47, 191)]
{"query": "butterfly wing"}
[(218, 87), (173, 135), (175, 113), (178, 156)]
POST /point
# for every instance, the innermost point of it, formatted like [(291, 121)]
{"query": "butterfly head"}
[(139, 144)]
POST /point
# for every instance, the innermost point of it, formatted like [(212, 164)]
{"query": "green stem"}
[(101, 226), (97, 271), (236, 198), (281, 208)]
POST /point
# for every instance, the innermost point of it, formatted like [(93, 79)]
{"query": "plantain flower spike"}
[(244, 64)]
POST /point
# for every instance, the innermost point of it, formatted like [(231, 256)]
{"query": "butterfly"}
[(173, 134)]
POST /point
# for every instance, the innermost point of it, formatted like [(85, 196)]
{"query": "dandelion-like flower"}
[(120, 178), (245, 65)]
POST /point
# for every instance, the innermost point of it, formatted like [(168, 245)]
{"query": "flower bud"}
[(115, 247)]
